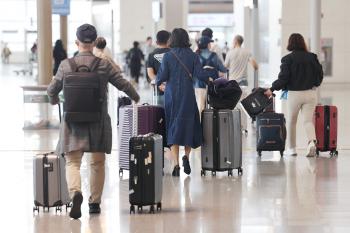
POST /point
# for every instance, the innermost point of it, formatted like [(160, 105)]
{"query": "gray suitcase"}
[(50, 185), (222, 146)]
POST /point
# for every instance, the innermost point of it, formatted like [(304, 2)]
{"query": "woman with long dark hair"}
[(301, 73), (59, 54), (178, 68)]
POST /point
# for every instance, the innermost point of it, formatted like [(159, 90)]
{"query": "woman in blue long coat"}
[(178, 67)]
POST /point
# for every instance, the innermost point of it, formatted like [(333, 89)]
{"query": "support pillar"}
[(64, 31), (315, 31), (44, 41), (255, 38)]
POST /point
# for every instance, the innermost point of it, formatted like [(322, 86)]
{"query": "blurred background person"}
[(134, 60), (5, 54), (214, 47), (210, 62), (59, 54), (237, 60)]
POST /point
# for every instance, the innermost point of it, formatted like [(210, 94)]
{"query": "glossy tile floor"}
[(274, 195)]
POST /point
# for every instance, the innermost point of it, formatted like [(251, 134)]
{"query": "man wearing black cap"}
[(214, 47), (95, 137)]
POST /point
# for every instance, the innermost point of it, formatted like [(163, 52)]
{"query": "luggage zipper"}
[(216, 151), (326, 127), (46, 180)]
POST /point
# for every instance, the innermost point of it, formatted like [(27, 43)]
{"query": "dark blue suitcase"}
[(271, 132)]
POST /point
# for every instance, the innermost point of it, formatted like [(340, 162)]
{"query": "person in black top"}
[(59, 54), (301, 73), (155, 60), (134, 59)]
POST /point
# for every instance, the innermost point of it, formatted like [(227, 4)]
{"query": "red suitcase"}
[(326, 126)]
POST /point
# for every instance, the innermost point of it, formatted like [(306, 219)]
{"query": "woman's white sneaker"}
[(311, 149)]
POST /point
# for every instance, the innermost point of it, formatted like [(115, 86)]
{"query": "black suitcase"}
[(256, 102), (270, 132), (146, 172)]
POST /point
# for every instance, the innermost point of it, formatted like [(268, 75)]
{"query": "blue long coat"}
[(181, 111)]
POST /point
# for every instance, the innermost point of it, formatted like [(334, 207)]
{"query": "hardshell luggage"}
[(326, 126), (50, 185), (122, 101), (256, 102), (146, 172), (150, 119), (270, 132), (83, 94), (222, 141)]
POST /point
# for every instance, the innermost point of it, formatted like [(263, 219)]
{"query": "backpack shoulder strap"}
[(94, 64), (211, 56), (73, 64)]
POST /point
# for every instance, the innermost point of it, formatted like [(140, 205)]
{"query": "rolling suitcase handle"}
[(134, 119), (155, 93)]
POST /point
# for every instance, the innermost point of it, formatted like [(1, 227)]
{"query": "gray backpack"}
[(82, 93)]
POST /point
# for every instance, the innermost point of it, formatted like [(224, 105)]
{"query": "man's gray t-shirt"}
[(237, 61)]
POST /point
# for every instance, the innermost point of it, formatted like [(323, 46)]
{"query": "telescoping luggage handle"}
[(155, 92), (134, 119)]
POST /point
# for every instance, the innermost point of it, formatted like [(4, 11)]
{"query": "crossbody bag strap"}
[(182, 64)]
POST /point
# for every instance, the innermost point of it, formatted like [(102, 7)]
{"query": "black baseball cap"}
[(86, 33), (204, 41), (207, 32)]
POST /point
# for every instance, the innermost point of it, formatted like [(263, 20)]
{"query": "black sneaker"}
[(94, 208), (75, 211), (176, 171), (186, 165)]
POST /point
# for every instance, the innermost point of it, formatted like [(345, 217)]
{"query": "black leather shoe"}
[(176, 171), (94, 208), (75, 211), (186, 165)]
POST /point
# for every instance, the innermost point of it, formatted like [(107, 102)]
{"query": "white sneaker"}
[(311, 149), (291, 152)]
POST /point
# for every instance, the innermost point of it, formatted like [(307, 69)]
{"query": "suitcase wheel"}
[(317, 153), (159, 206), (36, 208), (213, 173), (229, 173), (120, 172), (132, 209), (281, 153), (58, 208), (151, 209), (202, 173), (259, 153), (69, 205), (334, 153), (240, 171), (139, 209)]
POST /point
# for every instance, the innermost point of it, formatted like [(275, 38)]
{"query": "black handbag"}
[(224, 94)]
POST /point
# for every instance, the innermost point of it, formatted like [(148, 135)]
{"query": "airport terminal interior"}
[(274, 194)]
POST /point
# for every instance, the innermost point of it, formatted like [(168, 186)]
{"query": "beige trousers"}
[(305, 103), (97, 174), (201, 95)]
